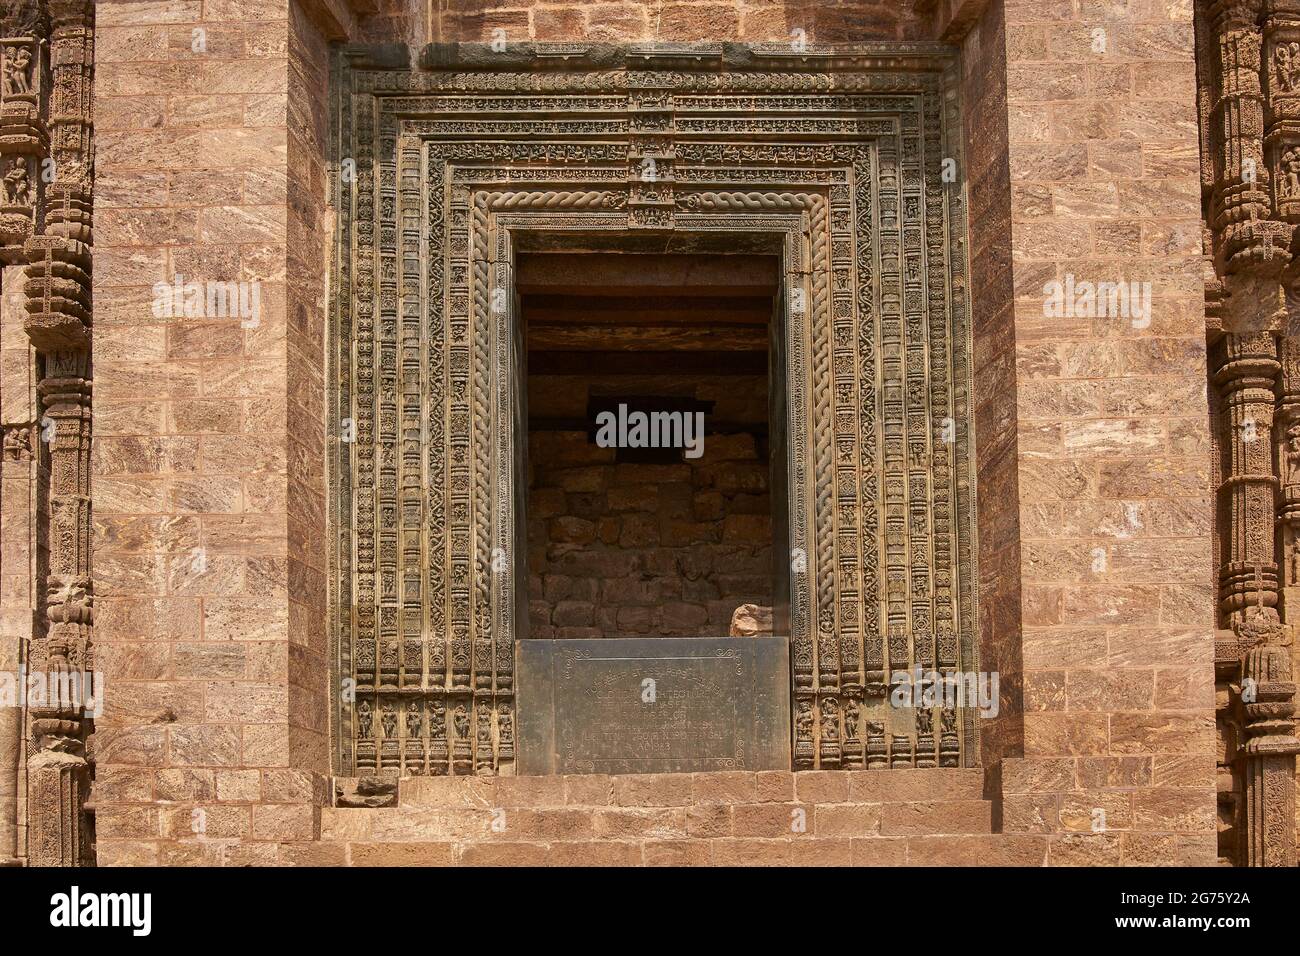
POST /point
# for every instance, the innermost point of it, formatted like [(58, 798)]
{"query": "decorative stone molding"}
[(837, 154), (46, 64)]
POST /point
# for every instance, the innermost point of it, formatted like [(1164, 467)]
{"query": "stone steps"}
[(686, 789), (723, 818)]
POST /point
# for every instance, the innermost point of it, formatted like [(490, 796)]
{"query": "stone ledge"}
[(758, 820), (694, 789)]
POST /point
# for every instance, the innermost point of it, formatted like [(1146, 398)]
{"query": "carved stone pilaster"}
[(59, 772), (46, 66), (1248, 574), (1270, 746), (1288, 457), (1240, 211), (58, 293), (58, 785), (1249, 76), (72, 61)]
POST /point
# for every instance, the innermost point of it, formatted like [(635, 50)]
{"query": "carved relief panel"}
[(24, 129), (441, 174)]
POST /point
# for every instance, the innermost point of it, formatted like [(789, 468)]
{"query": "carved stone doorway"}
[(670, 526), (444, 175), (645, 538)]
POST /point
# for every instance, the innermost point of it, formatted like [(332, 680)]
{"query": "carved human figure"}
[(18, 444), (1290, 168), (365, 720), (413, 719), (948, 721), (18, 187), (460, 719), (803, 721), (851, 715), (506, 724), (1293, 454), (438, 720), (388, 717), (17, 75), (830, 719), (924, 721), (1286, 67)]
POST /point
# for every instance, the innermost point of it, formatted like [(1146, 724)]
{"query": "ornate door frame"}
[(440, 173)]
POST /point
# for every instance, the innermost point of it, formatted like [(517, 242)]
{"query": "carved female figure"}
[(803, 721), (924, 721), (948, 721), (830, 719), (365, 720), (1286, 67), (1290, 185), (1293, 454), (851, 714)]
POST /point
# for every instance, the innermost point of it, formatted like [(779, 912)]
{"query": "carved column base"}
[(10, 752), (1270, 808), (58, 785)]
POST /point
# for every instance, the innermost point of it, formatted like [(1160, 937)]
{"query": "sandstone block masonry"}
[(639, 548), (207, 479)]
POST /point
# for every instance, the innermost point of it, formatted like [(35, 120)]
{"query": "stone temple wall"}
[(207, 477), (208, 469), (633, 548), (1112, 443), (619, 22)]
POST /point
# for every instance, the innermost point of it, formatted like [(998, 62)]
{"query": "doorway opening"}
[(656, 453)]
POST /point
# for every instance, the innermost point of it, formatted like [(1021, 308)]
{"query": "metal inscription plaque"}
[(653, 705)]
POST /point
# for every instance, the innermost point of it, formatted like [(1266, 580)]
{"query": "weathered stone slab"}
[(653, 705)]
